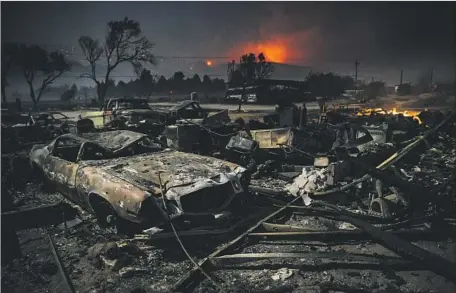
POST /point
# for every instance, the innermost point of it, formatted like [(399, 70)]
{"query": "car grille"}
[(207, 199)]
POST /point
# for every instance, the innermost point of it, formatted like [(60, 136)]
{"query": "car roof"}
[(114, 141)]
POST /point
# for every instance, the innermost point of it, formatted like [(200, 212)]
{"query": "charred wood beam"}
[(192, 233), (433, 262), (169, 235), (192, 278), (271, 227), (312, 211), (267, 191), (398, 265), (304, 256), (279, 289), (11, 247), (412, 235), (58, 261), (40, 216), (406, 249)]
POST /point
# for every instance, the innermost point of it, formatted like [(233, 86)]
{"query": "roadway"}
[(252, 108)]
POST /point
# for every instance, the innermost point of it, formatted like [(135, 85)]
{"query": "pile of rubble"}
[(149, 177)]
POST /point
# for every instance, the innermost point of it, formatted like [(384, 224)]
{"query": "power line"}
[(102, 75)]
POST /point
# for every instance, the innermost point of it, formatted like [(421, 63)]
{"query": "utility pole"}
[(356, 73), (402, 74), (431, 73)]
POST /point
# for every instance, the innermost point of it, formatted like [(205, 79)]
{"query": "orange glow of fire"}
[(298, 47), (209, 63), (273, 51), (394, 111)]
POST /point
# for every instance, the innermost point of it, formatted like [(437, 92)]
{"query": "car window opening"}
[(67, 149)]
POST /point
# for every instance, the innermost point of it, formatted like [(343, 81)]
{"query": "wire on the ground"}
[(180, 242), (208, 130)]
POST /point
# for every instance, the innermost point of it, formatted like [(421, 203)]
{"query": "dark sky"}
[(311, 33)]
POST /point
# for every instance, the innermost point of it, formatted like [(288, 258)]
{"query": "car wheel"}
[(105, 214), (107, 217)]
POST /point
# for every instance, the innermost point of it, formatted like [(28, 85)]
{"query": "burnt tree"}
[(36, 63), (250, 70), (123, 43), (9, 52)]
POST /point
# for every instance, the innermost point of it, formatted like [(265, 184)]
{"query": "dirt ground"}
[(159, 265)]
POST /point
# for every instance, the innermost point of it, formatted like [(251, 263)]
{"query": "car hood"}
[(176, 169)]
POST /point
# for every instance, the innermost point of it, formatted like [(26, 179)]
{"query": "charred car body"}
[(20, 129), (120, 174), (136, 115)]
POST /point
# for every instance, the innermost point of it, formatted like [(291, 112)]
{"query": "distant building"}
[(270, 91), (403, 89), (352, 93), (443, 88), (390, 90)]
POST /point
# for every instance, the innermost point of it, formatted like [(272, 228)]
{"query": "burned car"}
[(54, 122), (116, 108), (122, 174), (22, 129)]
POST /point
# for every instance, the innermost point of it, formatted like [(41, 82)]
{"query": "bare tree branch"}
[(34, 59), (92, 53), (123, 43)]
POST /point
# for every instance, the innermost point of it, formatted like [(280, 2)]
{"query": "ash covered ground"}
[(99, 259)]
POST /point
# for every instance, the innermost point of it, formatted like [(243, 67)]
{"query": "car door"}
[(89, 151), (61, 166)]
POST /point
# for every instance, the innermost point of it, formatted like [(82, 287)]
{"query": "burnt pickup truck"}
[(113, 108), (121, 175)]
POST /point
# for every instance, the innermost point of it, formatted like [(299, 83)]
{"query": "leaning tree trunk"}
[(100, 95), (3, 94), (32, 96)]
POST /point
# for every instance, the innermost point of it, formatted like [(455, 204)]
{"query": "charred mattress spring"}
[(207, 199)]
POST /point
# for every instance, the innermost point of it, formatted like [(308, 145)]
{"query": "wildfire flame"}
[(273, 51), (296, 47), (394, 111)]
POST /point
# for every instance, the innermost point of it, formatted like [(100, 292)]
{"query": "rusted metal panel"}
[(273, 138)]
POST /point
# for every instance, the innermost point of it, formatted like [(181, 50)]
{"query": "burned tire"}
[(107, 217), (104, 212)]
